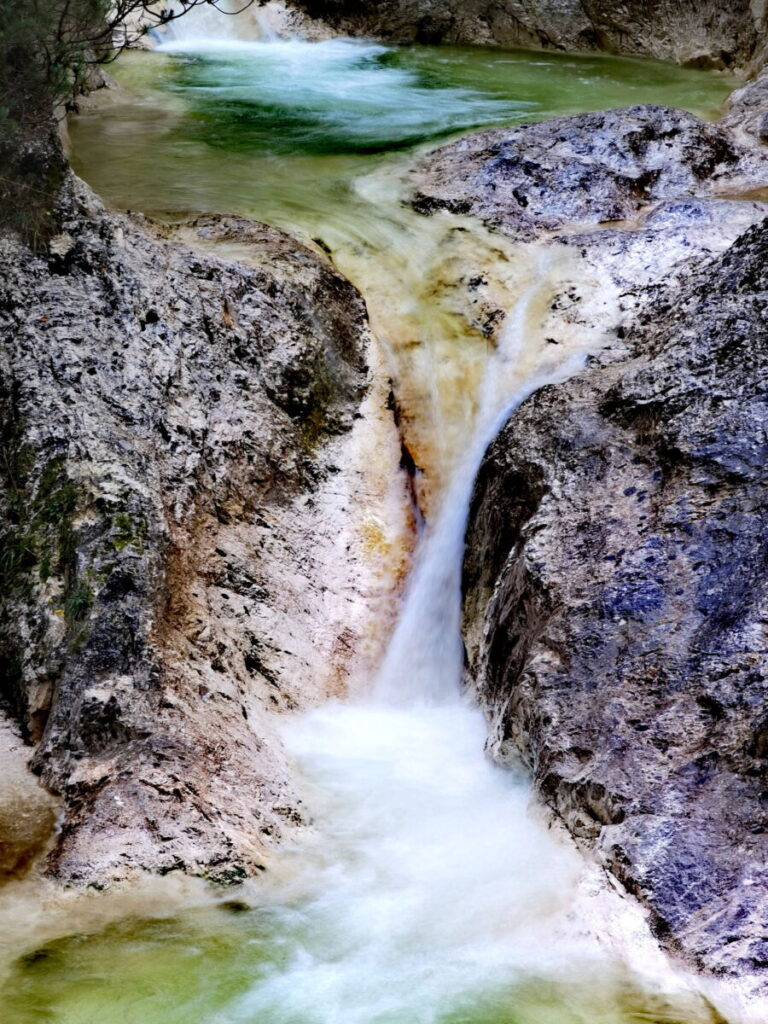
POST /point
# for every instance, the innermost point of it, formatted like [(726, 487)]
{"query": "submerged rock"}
[(182, 496), (616, 606)]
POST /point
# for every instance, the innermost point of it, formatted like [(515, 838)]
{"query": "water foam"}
[(433, 894), (349, 88)]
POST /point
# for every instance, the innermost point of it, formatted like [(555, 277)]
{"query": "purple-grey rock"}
[(616, 607)]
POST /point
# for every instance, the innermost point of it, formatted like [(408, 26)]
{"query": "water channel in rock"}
[(428, 891)]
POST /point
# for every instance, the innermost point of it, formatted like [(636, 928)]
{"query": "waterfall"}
[(267, 30), (425, 890), (431, 891), (226, 23), (425, 656)]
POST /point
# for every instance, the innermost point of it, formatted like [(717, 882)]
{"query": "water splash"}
[(218, 23), (433, 891)]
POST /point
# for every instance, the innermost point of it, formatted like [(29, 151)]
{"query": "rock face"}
[(615, 590), (747, 111), (182, 551), (588, 169), (701, 34)]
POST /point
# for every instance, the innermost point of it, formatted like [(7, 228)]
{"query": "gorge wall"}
[(699, 33), (616, 606), (615, 601), (185, 499)]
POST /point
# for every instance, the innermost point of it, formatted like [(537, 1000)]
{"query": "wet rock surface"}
[(747, 111), (616, 605), (586, 169), (179, 551), (701, 34)]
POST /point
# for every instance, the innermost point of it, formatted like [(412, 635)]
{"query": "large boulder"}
[(584, 170), (616, 606), (182, 496)]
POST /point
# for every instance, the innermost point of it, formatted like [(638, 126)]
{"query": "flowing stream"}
[(428, 891)]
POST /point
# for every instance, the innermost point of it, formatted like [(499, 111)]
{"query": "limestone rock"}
[(616, 606), (182, 497), (747, 111), (28, 814), (614, 601), (587, 169)]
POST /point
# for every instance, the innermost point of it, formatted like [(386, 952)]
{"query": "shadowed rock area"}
[(179, 555), (701, 34), (616, 606)]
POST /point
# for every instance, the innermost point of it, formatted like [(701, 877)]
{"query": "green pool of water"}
[(199, 968), (282, 131)]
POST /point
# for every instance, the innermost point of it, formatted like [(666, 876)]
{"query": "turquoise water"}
[(281, 131)]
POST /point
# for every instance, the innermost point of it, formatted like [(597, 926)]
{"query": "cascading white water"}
[(433, 894), (424, 659), (432, 890), (427, 893), (225, 22)]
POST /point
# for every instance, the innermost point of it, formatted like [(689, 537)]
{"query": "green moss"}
[(314, 429), (18, 554), (56, 494), (45, 568), (317, 419), (38, 531), (127, 531), (103, 573)]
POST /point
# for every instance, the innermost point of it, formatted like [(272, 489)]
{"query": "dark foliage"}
[(48, 48)]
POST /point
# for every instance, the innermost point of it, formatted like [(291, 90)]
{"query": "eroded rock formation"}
[(183, 501), (701, 33), (585, 170), (615, 599)]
